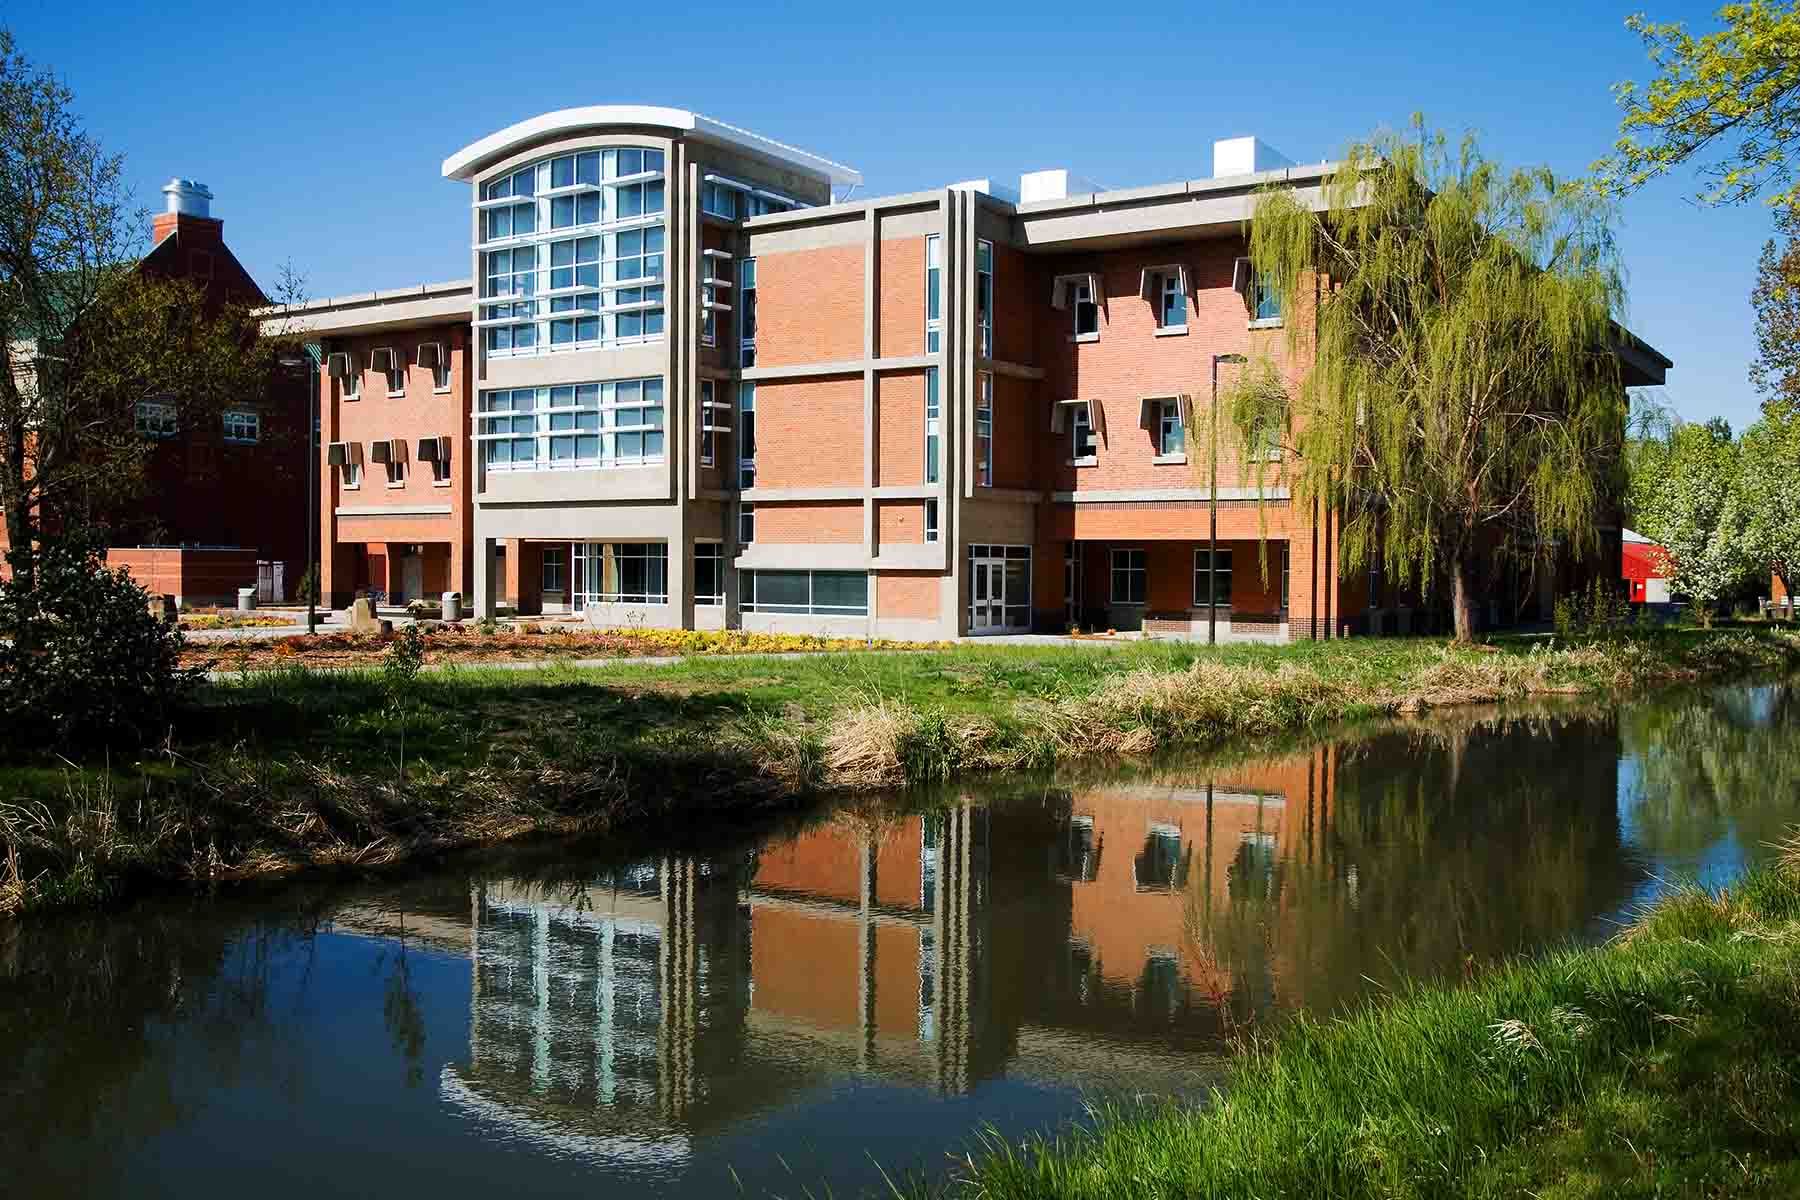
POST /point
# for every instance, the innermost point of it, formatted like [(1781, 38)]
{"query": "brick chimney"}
[(189, 209)]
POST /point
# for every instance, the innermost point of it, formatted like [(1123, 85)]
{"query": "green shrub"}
[(1597, 614), (84, 661), (405, 655)]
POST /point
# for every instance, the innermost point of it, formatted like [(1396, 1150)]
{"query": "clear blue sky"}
[(321, 128)]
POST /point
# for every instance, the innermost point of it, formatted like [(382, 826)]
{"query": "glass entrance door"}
[(999, 589), (987, 589)]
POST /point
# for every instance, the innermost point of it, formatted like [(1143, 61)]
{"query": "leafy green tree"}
[(1464, 408), (84, 334), (1776, 299), (1769, 482), (1734, 94), (1685, 495)]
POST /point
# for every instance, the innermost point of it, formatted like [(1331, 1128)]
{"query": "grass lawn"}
[(275, 771), (1664, 1064)]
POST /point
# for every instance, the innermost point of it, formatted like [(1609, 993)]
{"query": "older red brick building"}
[(226, 504), (707, 387)]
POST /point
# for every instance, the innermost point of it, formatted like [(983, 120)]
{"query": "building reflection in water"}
[(1111, 935)]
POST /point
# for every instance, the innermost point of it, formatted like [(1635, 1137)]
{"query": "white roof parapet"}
[(466, 163)]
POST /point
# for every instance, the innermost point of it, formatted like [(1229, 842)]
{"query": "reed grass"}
[(279, 771)]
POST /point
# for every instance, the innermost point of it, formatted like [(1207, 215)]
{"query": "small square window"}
[(242, 425)]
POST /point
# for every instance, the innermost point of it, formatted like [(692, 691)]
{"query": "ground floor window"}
[(1130, 575), (1212, 578), (999, 588), (556, 569), (709, 574), (621, 573), (814, 593)]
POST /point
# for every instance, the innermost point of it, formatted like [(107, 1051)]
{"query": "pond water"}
[(858, 993)]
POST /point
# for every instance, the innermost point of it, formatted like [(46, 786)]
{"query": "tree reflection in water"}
[(1721, 767)]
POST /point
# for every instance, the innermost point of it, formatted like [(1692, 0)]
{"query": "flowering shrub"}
[(478, 643)]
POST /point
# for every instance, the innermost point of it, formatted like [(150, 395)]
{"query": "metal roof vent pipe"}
[(188, 198)]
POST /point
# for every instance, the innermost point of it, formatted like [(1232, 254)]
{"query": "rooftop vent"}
[(1044, 185), (188, 198), (1246, 156), (987, 187)]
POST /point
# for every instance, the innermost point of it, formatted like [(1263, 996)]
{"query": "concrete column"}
[(510, 591), (485, 578)]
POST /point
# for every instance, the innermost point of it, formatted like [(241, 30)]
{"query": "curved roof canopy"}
[(468, 162)]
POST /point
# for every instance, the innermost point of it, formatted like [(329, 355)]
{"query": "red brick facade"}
[(408, 539), (843, 370)]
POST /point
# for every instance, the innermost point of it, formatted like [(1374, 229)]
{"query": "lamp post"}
[(310, 579), (1212, 502)]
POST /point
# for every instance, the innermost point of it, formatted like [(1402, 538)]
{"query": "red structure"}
[(1645, 566)]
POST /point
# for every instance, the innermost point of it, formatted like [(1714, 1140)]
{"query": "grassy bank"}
[(1663, 1064), (279, 771)]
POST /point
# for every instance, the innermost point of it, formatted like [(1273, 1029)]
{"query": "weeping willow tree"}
[(1463, 409)]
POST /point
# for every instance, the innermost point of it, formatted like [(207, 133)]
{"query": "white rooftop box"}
[(1246, 156)]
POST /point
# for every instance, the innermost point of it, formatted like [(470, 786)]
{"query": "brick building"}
[(224, 504), (698, 385)]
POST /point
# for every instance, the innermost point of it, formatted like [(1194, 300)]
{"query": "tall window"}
[(1171, 308), (396, 468), (1267, 305), (440, 461), (706, 425), (556, 569), (613, 424), (747, 315), (933, 419), (1129, 576), (715, 274), (984, 429), (1086, 308), (747, 434), (1081, 433), (352, 473), (1284, 576), (242, 425), (1170, 437), (709, 574), (572, 252), (440, 368), (392, 365), (934, 293), (746, 524), (931, 520), (1212, 578), (984, 299), (351, 387)]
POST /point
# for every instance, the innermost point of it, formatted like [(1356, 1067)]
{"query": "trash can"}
[(452, 606), (246, 599)]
